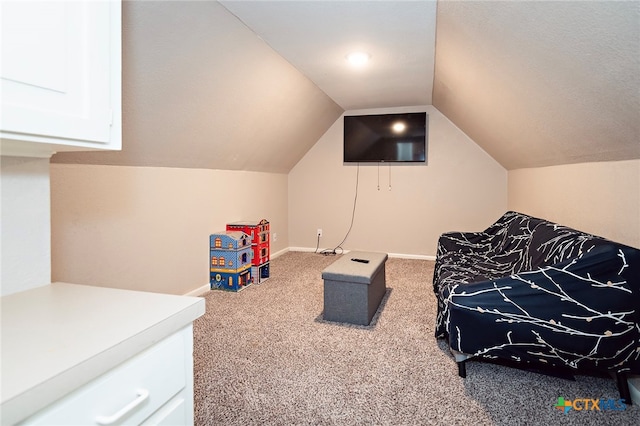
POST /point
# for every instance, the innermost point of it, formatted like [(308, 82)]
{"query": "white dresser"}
[(82, 355)]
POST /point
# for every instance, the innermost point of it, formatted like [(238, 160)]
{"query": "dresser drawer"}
[(129, 393)]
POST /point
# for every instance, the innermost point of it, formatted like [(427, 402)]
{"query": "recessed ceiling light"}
[(358, 59)]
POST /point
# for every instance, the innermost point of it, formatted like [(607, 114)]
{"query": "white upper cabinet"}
[(60, 76)]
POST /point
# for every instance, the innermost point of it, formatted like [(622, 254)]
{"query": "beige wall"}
[(146, 228), (461, 188), (25, 235), (600, 198)]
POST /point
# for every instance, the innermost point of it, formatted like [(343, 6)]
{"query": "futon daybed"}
[(540, 295)]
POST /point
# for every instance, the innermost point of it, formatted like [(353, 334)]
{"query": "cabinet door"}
[(60, 74)]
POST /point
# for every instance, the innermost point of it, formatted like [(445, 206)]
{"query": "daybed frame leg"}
[(623, 388), (462, 370)]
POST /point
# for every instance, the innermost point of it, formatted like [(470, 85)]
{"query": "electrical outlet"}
[(319, 232), (275, 237)]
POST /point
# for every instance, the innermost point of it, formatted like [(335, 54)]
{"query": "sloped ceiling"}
[(201, 90), (542, 83), (316, 36), (533, 83)]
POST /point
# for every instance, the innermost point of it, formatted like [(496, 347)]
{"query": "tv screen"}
[(385, 138)]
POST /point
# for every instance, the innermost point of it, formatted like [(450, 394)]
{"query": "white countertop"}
[(58, 337)]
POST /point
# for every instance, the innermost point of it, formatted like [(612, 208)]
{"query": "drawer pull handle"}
[(141, 396)]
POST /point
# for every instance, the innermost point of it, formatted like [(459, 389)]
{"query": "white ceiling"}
[(316, 36)]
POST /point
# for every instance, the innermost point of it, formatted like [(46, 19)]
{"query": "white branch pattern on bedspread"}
[(535, 292)]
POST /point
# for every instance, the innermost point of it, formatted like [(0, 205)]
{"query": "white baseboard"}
[(314, 250), (306, 249), (412, 256), (199, 291), (279, 253), (396, 255)]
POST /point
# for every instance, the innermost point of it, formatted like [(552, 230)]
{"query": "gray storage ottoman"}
[(353, 290)]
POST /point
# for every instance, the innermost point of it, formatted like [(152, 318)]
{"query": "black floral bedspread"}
[(532, 291)]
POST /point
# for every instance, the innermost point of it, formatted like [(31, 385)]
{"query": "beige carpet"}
[(264, 356)]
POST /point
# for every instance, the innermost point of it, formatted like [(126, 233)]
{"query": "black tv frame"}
[(370, 138)]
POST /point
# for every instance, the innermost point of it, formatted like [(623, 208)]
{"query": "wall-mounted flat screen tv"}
[(386, 138)]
